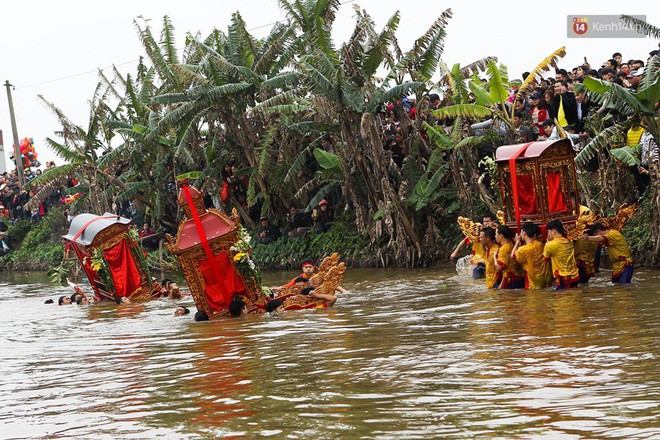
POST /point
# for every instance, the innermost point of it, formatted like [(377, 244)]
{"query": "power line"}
[(75, 75)]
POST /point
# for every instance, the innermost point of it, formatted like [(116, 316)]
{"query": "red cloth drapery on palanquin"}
[(526, 194), (219, 294), (556, 201), (124, 271)]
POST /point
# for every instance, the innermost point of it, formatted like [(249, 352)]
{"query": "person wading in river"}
[(487, 240), (559, 251), (512, 273), (478, 252), (528, 251), (618, 250)]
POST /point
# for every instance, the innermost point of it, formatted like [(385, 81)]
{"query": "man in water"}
[(618, 250), (308, 268), (237, 307), (82, 300), (64, 300), (478, 253), (512, 273), (181, 310), (528, 251), (330, 299), (275, 306), (585, 258), (201, 316), (559, 251), (122, 300), (487, 240)]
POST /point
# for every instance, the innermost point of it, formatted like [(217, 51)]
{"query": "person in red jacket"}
[(539, 112)]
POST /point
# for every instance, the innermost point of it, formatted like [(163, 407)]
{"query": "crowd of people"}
[(558, 105), (530, 261)]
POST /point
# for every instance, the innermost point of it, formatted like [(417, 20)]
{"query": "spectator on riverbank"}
[(299, 221), (322, 217), (269, 232)]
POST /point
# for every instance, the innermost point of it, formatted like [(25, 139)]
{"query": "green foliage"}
[(42, 246), (627, 155), (17, 232), (637, 232), (287, 253), (58, 274), (168, 263)]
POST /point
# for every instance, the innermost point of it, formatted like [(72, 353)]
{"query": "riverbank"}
[(37, 246)]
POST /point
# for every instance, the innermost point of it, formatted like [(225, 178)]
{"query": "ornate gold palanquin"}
[(220, 231), (546, 182), (104, 246)]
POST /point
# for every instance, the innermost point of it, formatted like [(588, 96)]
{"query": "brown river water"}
[(406, 354)]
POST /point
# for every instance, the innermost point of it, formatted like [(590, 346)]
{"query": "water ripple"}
[(406, 354)]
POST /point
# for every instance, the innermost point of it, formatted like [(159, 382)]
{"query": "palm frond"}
[(155, 55), (302, 158), (548, 62), (286, 109), (629, 156), (167, 42), (53, 175), (395, 93), (69, 129), (600, 142), (438, 136), (641, 26), (318, 82), (109, 85), (448, 76), (147, 88), (463, 110), (622, 99), (281, 81), (498, 82), (320, 195), (183, 151), (480, 92), (134, 188), (469, 141), (650, 72), (72, 155)]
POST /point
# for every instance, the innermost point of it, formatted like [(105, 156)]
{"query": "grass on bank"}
[(36, 245), (287, 253)]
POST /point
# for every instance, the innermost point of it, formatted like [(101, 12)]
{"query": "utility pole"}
[(17, 147)]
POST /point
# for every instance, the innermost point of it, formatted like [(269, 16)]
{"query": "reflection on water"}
[(414, 354)]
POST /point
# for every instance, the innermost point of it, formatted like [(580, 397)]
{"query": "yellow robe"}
[(618, 250), (585, 254), (512, 271), (562, 256), (492, 275), (536, 268)]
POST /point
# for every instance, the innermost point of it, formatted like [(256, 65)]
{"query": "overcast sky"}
[(54, 48)]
